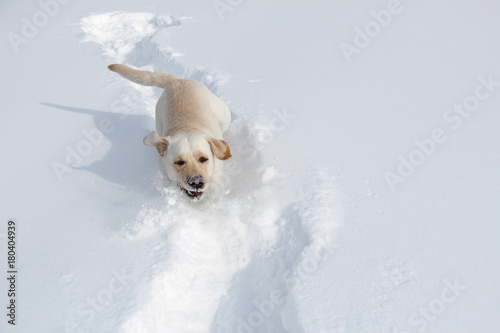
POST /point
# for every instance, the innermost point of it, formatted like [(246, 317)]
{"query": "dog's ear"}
[(160, 142), (220, 148)]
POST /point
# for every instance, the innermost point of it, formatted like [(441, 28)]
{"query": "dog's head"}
[(189, 159)]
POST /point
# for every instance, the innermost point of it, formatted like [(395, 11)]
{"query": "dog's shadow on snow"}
[(128, 163)]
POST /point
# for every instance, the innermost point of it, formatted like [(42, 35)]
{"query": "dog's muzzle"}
[(196, 182), (197, 187)]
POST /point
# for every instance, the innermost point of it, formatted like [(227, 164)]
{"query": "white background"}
[(313, 203)]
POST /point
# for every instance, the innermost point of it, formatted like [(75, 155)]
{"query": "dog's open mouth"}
[(193, 194)]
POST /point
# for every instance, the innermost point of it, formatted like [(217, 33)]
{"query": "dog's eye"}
[(180, 163), (203, 159)]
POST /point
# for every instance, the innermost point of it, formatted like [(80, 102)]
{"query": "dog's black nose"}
[(196, 181)]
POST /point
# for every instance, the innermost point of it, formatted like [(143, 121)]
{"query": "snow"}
[(362, 195)]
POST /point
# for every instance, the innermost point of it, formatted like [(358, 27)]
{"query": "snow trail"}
[(232, 263)]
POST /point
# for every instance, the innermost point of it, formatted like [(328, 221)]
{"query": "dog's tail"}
[(143, 77)]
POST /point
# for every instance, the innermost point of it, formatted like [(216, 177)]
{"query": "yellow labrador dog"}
[(190, 121)]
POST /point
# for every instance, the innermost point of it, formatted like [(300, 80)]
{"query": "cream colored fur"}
[(190, 121)]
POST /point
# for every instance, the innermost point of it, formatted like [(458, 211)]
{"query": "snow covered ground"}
[(362, 195)]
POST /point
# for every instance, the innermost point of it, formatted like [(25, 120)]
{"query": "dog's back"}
[(188, 106), (185, 105)]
